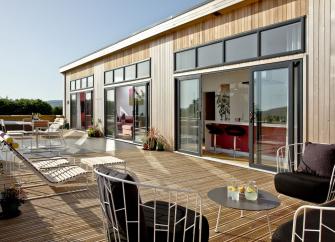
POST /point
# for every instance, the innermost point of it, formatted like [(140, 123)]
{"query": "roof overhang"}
[(169, 24)]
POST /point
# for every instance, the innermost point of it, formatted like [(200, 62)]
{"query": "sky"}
[(39, 36)]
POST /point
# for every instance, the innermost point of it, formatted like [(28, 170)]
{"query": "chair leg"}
[(234, 146), (214, 142)]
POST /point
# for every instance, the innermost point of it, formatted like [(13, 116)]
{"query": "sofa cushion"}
[(302, 186), (318, 159), (284, 232), (162, 209)]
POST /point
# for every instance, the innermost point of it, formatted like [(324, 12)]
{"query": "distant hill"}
[(55, 103)]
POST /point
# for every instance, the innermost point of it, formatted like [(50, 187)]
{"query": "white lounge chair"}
[(55, 172)]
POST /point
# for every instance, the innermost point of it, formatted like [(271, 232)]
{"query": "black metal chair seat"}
[(214, 129), (235, 130)]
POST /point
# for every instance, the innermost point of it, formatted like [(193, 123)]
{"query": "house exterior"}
[(261, 71)]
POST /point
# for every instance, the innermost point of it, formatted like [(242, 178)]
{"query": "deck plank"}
[(77, 217)]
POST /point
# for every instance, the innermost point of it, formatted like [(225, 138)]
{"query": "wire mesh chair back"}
[(161, 214), (288, 157), (314, 223)]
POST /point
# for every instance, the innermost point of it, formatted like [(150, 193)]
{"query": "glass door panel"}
[(73, 110), (82, 98), (88, 109), (140, 112), (189, 117), (124, 97), (110, 113), (270, 116)]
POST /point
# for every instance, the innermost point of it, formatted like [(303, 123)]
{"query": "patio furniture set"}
[(36, 129), (136, 211)]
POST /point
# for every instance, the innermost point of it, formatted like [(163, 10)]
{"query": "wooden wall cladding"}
[(80, 72), (128, 56), (321, 71), (237, 19)]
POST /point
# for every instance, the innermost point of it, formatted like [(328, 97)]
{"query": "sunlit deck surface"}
[(77, 216)]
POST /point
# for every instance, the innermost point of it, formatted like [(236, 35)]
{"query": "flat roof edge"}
[(189, 15)]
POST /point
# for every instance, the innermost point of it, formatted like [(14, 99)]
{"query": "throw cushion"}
[(318, 159)]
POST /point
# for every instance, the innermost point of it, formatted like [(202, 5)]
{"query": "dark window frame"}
[(184, 50), (208, 44), (105, 77), (124, 72), (258, 31), (87, 87), (149, 75)]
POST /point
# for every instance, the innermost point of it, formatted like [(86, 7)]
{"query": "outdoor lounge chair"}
[(55, 172), (310, 224), (127, 217), (306, 171), (54, 130)]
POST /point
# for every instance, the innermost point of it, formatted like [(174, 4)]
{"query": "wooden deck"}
[(77, 217)]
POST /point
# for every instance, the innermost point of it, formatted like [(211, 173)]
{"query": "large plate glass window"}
[(118, 75), (241, 48), (143, 69), (90, 81), (281, 39), (108, 77), (84, 82), (130, 72), (210, 55), (185, 60)]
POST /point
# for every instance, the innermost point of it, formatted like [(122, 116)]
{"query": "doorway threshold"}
[(227, 162)]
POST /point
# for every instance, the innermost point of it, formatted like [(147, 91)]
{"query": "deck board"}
[(77, 217)]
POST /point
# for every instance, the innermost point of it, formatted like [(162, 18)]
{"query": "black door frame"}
[(293, 83), (177, 114)]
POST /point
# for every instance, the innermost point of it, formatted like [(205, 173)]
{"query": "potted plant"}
[(11, 199), (161, 143), (95, 130), (152, 136), (145, 143)]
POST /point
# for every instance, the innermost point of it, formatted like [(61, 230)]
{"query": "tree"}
[(57, 111), (24, 106)]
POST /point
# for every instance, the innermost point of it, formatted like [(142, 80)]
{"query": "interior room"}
[(226, 114)]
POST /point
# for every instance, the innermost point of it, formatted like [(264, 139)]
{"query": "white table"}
[(94, 162)]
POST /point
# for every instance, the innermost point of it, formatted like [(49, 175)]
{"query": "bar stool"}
[(235, 131), (214, 129)]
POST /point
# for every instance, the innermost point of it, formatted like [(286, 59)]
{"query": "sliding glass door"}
[(273, 111), (127, 112), (73, 111), (81, 108), (88, 109), (189, 115), (140, 112), (110, 112)]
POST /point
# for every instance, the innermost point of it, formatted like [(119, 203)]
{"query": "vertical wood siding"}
[(162, 87), (321, 71), (237, 19), (128, 56), (98, 93)]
